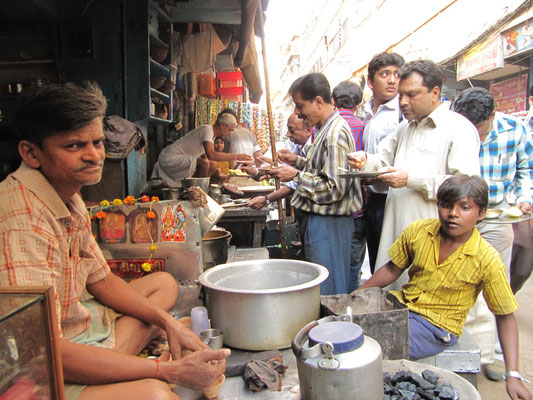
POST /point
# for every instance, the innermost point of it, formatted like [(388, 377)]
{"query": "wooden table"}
[(241, 218)]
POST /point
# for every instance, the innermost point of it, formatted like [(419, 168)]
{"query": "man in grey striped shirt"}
[(326, 201)]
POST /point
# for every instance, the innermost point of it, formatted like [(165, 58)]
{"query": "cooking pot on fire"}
[(261, 304), (336, 361)]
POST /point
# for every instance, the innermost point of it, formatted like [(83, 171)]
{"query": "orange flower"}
[(101, 215), (130, 200), (145, 199), (155, 198), (150, 214)]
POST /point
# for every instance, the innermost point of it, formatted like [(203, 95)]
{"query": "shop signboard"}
[(484, 57), (518, 39), (511, 94)]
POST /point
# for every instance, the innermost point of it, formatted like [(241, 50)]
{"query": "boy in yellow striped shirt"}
[(449, 264)]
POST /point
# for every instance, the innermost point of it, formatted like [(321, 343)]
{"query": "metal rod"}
[(281, 211)]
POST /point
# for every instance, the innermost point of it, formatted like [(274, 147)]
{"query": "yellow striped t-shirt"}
[(444, 293)]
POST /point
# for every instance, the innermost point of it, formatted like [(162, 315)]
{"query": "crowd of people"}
[(438, 168)]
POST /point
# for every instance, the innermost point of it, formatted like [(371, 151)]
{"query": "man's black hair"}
[(347, 95), (431, 74), (311, 86), (382, 60), (476, 104), (459, 186), (55, 108)]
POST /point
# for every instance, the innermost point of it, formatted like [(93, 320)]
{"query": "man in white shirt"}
[(382, 116), (194, 154), (429, 146)]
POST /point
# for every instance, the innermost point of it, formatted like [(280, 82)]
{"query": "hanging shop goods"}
[(250, 115)]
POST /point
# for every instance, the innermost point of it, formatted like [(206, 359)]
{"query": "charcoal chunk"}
[(438, 388), (407, 394), (405, 385), (430, 376), (427, 395), (400, 376), (421, 382), (387, 378), (447, 393)]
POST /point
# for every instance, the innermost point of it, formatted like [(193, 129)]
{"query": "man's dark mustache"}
[(90, 165)]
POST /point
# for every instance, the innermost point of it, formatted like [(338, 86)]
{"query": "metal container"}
[(262, 304), (337, 361), (381, 315), (215, 247), (202, 183)]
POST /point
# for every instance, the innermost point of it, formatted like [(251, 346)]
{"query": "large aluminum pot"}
[(262, 304)]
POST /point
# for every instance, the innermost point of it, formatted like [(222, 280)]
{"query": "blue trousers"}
[(327, 241), (426, 339), (357, 257)]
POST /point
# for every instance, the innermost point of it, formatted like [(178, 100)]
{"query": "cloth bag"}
[(121, 136)]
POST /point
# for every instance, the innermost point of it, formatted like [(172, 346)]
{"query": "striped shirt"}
[(443, 294), (356, 126), (320, 190), (506, 160), (45, 242)]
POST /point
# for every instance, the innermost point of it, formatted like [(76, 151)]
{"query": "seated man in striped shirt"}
[(449, 264)]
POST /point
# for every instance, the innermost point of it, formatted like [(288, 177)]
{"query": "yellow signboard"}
[(484, 57)]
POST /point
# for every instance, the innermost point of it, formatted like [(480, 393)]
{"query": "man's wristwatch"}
[(515, 374), (267, 201)]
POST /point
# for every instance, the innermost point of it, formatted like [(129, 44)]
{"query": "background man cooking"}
[(194, 154), (46, 240)]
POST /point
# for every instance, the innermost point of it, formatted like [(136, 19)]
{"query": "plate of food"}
[(257, 189), (360, 174), (506, 215)]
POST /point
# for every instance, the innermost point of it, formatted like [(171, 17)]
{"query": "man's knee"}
[(157, 390), (167, 283)]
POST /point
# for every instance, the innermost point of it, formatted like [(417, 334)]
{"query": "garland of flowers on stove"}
[(130, 200)]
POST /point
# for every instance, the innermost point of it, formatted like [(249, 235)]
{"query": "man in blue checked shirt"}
[(506, 161)]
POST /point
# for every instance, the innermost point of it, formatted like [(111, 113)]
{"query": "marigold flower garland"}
[(131, 200)]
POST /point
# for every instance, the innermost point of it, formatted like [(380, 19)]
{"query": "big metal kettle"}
[(336, 361)]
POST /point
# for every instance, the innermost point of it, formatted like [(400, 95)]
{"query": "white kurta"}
[(442, 144)]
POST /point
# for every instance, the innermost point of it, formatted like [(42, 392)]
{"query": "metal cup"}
[(213, 338)]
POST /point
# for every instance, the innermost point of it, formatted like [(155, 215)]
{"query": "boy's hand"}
[(516, 390)]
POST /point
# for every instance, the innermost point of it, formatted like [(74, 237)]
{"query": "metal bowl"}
[(262, 304)]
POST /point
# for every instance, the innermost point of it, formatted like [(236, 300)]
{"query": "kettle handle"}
[(302, 353)]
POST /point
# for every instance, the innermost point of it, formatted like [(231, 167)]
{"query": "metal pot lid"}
[(345, 336)]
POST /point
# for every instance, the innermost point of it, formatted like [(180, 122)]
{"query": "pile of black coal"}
[(407, 385)]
